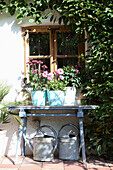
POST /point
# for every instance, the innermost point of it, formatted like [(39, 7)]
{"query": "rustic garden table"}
[(26, 111)]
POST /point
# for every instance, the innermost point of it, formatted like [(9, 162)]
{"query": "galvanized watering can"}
[(44, 145), (68, 145)]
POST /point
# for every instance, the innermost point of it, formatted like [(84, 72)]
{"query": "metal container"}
[(68, 145), (44, 145)]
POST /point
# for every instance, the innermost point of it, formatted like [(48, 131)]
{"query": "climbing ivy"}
[(96, 18)]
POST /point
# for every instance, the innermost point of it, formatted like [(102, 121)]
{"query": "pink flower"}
[(70, 64), (49, 78), (34, 71), (55, 72), (44, 74), (61, 77), (34, 61), (39, 62), (76, 70), (44, 66), (78, 66), (60, 71), (50, 75), (28, 62)]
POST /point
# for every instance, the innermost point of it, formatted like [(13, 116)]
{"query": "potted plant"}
[(55, 84), (72, 76), (56, 87), (38, 81), (4, 113)]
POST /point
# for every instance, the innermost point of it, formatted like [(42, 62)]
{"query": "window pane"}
[(66, 61), (39, 44), (67, 43)]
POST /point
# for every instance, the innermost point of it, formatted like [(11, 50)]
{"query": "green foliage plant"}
[(4, 90), (72, 75), (4, 106)]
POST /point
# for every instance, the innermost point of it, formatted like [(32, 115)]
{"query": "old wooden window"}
[(54, 45)]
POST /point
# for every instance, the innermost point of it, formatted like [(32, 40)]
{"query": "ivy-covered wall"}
[(96, 17)]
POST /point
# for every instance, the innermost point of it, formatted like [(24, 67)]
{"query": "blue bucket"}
[(55, 98), (39, 98)]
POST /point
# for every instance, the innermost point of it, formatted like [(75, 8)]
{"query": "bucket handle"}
[(55, 135), (69, 124)]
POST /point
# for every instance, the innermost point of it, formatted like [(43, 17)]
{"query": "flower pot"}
[(55, 98), (2, 140), (39, 98), (70, 96)]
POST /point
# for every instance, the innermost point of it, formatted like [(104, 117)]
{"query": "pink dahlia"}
[(44, 74), (60, 71)]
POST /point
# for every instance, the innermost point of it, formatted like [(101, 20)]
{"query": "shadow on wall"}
[(11, 136), (15, 24)]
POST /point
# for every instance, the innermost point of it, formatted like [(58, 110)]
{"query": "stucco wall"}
[(11, 66)]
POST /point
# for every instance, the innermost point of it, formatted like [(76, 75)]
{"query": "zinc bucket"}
[(68, 145), (44, 145)]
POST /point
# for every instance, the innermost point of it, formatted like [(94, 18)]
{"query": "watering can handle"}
[(69, 124), (55, 134)]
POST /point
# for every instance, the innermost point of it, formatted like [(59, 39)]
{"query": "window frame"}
[(52, 30)]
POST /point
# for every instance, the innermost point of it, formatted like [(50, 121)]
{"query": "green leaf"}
[(78, 23), (70, 15), (51, 19), (19, 16), (11, 10), (31, 20), (50, 13), (99, 149), (18, 119)]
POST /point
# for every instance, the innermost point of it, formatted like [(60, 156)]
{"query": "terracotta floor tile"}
[(30, 167), (97, 164), (53, 166), (9, 166), (27, 163), (29, 160), (110, 164), (11, 159), (102, 168), (74, 165), (5, 160), (8, 169)]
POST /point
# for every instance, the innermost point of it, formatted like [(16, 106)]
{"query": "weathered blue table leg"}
[(24, 132), (22, 114), (80, 115)]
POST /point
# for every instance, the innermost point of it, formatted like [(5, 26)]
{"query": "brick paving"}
[(27, 163)]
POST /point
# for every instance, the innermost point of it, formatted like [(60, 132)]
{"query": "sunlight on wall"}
[(11, 51)]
